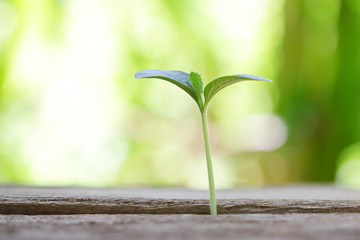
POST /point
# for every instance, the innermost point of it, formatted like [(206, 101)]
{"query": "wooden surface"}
[(293, 212), (320, 226), (292, 199)]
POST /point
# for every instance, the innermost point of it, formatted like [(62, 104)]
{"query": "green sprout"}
[(193, 85)]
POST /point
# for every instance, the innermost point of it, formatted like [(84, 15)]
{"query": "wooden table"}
[(291, 212)]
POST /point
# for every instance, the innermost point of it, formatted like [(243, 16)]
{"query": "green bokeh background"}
[(71, 112)]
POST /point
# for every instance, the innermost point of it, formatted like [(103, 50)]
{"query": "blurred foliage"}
[(72, 113), (321, 102)]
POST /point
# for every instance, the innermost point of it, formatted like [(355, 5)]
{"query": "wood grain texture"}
[(344, 226), (292, 199)]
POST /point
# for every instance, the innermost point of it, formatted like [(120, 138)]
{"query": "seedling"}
[(193, 85)]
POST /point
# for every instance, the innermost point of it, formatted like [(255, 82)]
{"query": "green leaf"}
[(219, 83), (179, 78), (196, 82)]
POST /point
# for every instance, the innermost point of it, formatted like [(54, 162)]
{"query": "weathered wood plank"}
[(174, 227), (292, 199)]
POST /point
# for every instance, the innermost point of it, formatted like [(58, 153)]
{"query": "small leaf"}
[(196, 82), (219, 83), (179, 78)]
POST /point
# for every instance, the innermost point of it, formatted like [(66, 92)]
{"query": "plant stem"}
[(204, 121)]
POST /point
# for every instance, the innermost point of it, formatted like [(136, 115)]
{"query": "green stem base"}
[(213, 210)]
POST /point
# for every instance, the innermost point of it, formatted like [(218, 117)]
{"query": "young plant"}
[(193, 85)]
